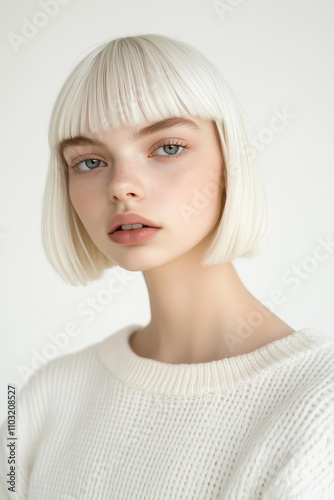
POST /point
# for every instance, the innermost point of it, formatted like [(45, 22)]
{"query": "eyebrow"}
[(150, 129)]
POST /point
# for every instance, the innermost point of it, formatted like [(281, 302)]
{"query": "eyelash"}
[(75, 170)]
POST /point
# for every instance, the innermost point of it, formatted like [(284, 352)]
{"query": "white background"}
[(275, 55)]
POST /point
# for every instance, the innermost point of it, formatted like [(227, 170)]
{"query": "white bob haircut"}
[(126, 82)]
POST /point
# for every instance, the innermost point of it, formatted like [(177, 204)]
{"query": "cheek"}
[(83, 201), (198, 197)]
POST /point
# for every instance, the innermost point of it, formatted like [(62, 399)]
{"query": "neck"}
[(201, 314)]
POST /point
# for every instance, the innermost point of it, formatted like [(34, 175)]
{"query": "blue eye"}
[(91, 160), (92, 166), (172, 148)]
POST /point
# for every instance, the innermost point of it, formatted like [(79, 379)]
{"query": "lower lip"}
[(132, 236)]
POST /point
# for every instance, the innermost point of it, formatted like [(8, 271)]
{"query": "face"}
[(172, 175)]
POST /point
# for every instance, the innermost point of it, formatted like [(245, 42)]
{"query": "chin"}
[(146, 259), (133, 264)]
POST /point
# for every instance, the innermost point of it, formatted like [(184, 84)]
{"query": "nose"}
[(125, 184)]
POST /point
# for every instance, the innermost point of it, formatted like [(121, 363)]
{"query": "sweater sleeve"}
[(31, 412), (308, 474)]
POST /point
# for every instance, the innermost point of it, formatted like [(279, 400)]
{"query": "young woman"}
[(216, 397)]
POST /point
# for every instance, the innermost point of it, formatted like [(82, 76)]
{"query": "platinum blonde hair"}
[(126, 82)]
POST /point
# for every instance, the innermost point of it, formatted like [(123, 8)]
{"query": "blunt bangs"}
[(132, 81)]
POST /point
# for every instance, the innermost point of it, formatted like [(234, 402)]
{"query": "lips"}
[(119, 228), (128, 218)]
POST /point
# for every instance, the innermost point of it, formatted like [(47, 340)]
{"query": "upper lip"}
[(128, 218)]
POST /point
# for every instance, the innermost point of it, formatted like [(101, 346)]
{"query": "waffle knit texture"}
[(106, 424)]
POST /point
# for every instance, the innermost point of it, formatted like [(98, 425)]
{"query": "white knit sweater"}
[(104, 423)]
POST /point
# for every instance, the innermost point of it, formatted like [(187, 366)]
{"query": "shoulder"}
[(80, 370), (314, 355), (308, 382), (68, 373), (71, 363), (306, 422)]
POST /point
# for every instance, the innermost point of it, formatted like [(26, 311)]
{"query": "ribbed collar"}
[(156, 377)]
